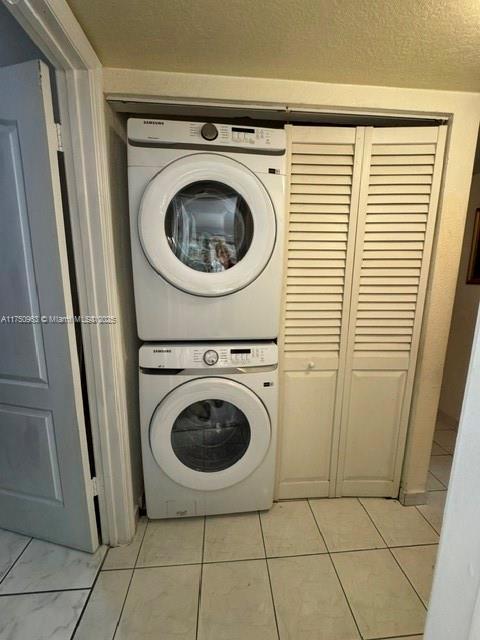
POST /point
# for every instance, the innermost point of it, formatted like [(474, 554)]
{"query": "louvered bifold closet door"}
[(324, 166), (397, 210)]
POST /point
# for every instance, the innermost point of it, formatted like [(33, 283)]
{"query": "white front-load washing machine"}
[(207, 226), (208, 427)]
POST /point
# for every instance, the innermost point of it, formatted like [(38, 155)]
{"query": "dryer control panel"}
[(176, 133), (208, 355)]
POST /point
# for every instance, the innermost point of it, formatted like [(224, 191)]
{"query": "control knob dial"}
[(209, 131), (210, 357)]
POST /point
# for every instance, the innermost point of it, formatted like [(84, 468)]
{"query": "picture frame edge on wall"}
[(473, 272)]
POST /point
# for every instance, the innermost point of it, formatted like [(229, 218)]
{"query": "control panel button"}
[(209, 131), (210, 357)]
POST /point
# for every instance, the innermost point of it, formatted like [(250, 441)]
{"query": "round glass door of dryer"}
[(207, 225), (210, 433)]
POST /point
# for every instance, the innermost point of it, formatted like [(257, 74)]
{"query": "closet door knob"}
[(311, 365)]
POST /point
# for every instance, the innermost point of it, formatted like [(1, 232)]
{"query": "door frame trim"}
[(53, 28)]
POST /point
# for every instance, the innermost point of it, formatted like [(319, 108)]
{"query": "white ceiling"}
[(405, 43)]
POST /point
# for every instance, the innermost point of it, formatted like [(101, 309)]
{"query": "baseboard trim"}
[(412, 498)]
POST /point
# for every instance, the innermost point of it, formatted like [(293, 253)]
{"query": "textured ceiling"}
[(404, 43)]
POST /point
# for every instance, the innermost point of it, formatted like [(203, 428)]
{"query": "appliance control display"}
[(216, 134), (210, 357), (209, 131), (203, 356)]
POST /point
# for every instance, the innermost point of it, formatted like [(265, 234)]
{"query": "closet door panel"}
[(375, 406), (396, 220), (309, 399), (325, 167)]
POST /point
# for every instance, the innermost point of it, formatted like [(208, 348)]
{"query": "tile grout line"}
[(295, 555), (428, 521), (409, 581), (269, 577), (439, 445), (411, 635), (436, 490), (36, 593), (395, 559), (403, 546), (372, 521), (16, 560), (437, 478), (393, 555), (336, 572), (90, 591), (199, 598), (130, 582)]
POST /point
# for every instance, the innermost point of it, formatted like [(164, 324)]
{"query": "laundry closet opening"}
[(361, 204)]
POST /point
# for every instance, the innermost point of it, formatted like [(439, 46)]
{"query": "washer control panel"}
[(177, 132), (208, 355)]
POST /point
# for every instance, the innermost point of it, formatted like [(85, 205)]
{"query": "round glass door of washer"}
[(207, 225), (210, 433)]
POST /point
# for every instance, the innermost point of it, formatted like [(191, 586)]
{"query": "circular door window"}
[(207, 225), (210, 433)]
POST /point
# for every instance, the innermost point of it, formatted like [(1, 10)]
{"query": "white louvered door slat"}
[(397, 210), (325, 168)]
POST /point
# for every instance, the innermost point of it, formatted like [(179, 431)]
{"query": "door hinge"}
[(58, 128), (94, 486)]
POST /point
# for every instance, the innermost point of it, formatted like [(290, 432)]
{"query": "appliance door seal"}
[(210, 433), (207, 225)]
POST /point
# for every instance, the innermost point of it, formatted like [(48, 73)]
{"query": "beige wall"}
[(467, 299), (117, 161)]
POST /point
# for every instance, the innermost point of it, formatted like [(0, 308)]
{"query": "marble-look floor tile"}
[(433, 484), (446, 440), (289, 529), (104, 607), (309, 600), (418, 563), (41, 616), (175, 541), (345, 525), (444, 425), (437, 449), (400, 526), (162, 603), (433, 510), (11, 546), (236, 602), (125, 557), (44, 566), (382, 600), (233, 537), (441, 467)]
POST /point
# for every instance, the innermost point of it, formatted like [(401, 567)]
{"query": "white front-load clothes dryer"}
[(208, 427), (207, 225)]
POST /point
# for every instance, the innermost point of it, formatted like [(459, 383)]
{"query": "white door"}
[(398, 200), (210, 433), (45, 485), (207, 225)]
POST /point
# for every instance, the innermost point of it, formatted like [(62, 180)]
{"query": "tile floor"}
[(344, 569)]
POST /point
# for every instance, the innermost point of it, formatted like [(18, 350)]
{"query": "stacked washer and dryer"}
[(206, 211)]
